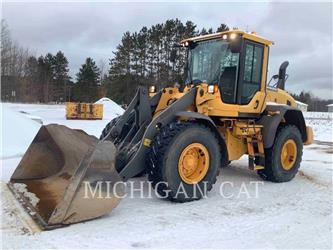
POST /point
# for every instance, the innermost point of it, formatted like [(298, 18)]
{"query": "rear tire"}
[(166, 162), (281, 165)]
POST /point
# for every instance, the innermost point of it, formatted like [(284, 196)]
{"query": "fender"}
[(285, 113), (195, 116)]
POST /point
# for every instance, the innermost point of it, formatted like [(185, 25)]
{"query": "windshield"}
[(207, 61)]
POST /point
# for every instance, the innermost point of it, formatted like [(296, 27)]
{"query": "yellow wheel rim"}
[(193, 163), (288, 154)]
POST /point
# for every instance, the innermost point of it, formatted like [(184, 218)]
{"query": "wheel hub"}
[(193, 163), (288, 154)]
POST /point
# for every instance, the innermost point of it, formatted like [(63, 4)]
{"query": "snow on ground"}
[(297, 214), (18, 132), (56, 114), (321, 123), (318, 115)]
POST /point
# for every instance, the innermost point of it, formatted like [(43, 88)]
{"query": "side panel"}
[(236, 146), (212, 104), (280, 96)]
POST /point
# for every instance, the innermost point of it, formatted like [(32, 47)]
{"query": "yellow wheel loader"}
[(178, 137)]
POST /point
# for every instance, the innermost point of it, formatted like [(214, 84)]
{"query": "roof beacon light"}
[(233, 36)]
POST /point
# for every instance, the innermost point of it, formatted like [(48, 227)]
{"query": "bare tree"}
[(102, 65), (6, 46)]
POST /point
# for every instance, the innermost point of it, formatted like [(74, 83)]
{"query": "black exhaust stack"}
[(282, 75)]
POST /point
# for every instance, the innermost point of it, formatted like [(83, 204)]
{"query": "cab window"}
[(252, 71)]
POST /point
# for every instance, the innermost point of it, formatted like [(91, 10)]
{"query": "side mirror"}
[(173, 55), (282, 75)]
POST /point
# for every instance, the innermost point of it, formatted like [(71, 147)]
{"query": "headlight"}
[(152, 89), (211, 89), (224, 37)]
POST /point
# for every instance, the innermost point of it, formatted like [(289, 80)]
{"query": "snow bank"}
[(17, 132), (110, 108), (318, 115), (321, 123)]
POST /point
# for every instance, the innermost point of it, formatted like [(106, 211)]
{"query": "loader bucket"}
[(67, 176)]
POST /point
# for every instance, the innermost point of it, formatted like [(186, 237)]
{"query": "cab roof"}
[(250, 36)]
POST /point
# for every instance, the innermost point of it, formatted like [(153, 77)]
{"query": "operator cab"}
[(233, 60)]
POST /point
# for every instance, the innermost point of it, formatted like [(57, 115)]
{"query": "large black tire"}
[(125, 129), (108, 127), (120, 162), (164, 155), (274, 170)]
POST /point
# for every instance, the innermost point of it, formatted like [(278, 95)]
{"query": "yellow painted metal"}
[(213, 105), (193, 163), (246, 35), (235, 146), (288, 154), (309, 136), (243, 128), (84, 111), (239, 136), (280, 96), (168, 96), (146, 142)]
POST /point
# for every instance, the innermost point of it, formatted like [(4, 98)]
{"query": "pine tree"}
[(60, 76), (32, 86), (47, 65), (222, 27), (148, 57), (86, 88)]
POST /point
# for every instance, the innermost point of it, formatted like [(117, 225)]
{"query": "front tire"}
[(183, 161), (108, 127), (283, 159)]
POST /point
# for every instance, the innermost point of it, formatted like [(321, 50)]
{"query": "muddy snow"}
[(242, 211), (21, 188)]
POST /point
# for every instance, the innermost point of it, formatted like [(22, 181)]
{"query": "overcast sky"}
[(302, 32)]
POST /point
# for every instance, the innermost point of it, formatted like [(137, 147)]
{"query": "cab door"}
[(250, 92)]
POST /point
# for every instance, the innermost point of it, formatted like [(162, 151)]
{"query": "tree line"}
[(145, 57), (314, 103), (148, 57), (142, 58), (44, 79)]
